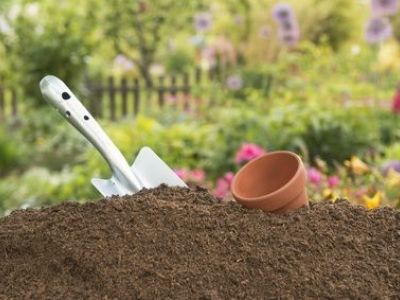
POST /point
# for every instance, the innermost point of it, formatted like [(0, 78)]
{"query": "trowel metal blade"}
[(109, 187), (153, 171)]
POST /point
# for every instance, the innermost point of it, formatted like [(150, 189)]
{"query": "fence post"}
[(197, 75), (91, 96), (14, 105), (211, 73), (124, 96), (99, 99), (186, 90), (173, 85), (160, 91), (270, 80), (136, 96), (2, 113), (111, 92)]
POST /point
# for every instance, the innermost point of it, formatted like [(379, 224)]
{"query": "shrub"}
[(10, 155), (329, 22), (336, 135)]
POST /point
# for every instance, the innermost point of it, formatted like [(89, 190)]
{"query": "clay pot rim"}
[(263, 197)]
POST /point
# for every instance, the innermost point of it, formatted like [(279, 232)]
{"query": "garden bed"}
[(180, 243)]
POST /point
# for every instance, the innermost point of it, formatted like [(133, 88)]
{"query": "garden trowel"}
[(147, 171)]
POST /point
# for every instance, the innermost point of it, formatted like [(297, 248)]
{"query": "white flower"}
[(14, 11), (32, 9), (4, 26), (355, 50), (157, 70), (124, 63)]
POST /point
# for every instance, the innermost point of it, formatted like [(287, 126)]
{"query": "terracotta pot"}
[(274, 182)]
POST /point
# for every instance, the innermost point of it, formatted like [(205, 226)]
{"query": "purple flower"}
[(234, 82), (314, 176), (288, 31), (288, 25), (239, 20), (378, 30), (202, 21), (391, 165), (289, 38), (282, 12), (381, 8), (265, 31)]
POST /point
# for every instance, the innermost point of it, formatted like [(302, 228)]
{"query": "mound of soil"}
[(180, 243)]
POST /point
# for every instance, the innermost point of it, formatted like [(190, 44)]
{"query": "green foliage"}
[(389, 128), (391, 152), (329, 22), (55, 143), (260, 78), (138, 30), (396, 24), (336, 135), (10, 156), (316, 131), (178, 61), (47, 38)]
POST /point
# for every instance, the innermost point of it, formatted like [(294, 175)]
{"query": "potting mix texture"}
[(184, 244)]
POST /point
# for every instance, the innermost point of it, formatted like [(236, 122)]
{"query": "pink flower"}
[(223, 185), (333, 181), (396, 102), (314, 176), (182, 174), (197, 175), (362, 191), (229, 177), (248, 152), (222, 188), (208, 56), (170, 99)]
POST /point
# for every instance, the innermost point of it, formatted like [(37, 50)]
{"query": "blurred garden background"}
[(209, 85)]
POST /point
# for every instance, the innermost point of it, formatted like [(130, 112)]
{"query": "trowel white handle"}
[(57, 94)]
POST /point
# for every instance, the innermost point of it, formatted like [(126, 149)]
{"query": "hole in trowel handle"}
[(65, 96)]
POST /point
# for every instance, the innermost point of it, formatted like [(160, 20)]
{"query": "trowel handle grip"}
[(57, 94)]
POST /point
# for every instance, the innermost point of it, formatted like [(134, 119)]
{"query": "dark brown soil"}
[(181, 244)]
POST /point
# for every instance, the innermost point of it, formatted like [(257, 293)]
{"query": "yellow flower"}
[(357, 165), (373, 202), (328, 194), (389, 56), (393, 179)]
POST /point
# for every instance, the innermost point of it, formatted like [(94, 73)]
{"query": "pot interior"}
[(266, 175)]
